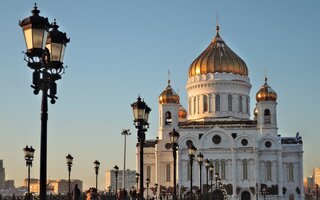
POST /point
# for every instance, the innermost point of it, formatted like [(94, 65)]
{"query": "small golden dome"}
[(169, 96), (182, 112), (266, 93), (218, 57)]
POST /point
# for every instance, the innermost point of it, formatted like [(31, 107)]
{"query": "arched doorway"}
[(245, 196), (217, 195)]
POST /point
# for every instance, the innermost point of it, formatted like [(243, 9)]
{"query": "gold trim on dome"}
[(218, 57)]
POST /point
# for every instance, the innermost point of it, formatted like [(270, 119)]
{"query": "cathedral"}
[(249, 157)]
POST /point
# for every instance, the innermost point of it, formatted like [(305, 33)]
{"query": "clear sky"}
[(120, 49)]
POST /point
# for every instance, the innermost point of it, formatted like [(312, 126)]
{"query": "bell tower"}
[(266, 107), (168, 111)]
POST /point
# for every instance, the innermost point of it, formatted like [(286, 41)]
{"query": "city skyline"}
[(120, 50)]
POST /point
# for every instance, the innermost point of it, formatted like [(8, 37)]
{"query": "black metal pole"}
[(191, 162), (69, 170), (141, 136), (174, 173), (147, 191), (207, 176), (97, 181), (43, 142), (200, 180), (116, 183), (28, 181), (216, 183)]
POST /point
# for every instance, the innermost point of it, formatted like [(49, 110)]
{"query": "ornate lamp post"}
[(96, 168), (137, 180), (147, 182), (44, 55), (116, 171), (207, 165), (141, 115), (211, 168), (69, 160), (28, 156), (192, 150), (174, 137), (125, 133), (216, 176), (200, 162)]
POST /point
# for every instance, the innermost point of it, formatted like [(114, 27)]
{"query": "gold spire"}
[(217, 24), (169, 95)]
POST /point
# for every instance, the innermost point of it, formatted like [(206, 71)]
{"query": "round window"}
[(216, 139), (268, 144), (168, 146), (244, 142)]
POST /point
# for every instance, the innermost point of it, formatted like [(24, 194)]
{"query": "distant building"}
[(54, 186), (2, 175), (308, 184), (130, 181), (9, 184), (316, 176)]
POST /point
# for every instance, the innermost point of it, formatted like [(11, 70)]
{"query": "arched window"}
[(217, 167), (223, 170), (205, 103), (217, 103), (168, 172), (149, 172), (269, 171), (189, 171), (245, 170), (229, 103), (267, 117), (240, 103), (190, 106), (194, 104), (290, 172), (247, 105), (168, 118)]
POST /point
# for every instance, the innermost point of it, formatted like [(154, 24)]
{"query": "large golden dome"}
[(218, 57), (169, 96), (266, 93)]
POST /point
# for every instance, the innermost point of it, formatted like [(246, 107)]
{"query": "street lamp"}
[(125, 133), (211, 168), (192, 150), (174, 137), (207, 166), (96, 167), (264, 193), (28, 156), (44, 55), (137, 180), (147, 182), (116, 171), (69, 160), (216, 176), (141, 115), (200, 162)]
